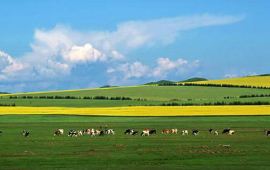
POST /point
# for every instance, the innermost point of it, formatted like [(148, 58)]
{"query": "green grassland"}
[(153, 95), (249, 149)]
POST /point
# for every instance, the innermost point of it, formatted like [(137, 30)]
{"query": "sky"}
[(73, 44)]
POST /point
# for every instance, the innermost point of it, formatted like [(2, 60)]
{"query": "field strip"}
[(143, 110)]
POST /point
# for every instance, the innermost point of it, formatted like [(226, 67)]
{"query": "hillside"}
[(137, 96), (258, 81)]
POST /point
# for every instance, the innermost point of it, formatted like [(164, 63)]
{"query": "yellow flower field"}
[(258, 81), (142, 110)]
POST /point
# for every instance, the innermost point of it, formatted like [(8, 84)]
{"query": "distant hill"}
[(161, 82), (258, 81), (194, 79)]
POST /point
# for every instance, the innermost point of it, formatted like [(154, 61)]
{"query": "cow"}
[(109, 132), (216, 132), (174, 131), (153, 131), (145, 132), (25, 133), (267, 132), (102, 133), (228, 131), (231, 132), (129, 131), (184, 132), (134, 133), (73, 133), (165, 131), (210, 130), (58, 132), (79, 132), (1, 131), (195, 132)]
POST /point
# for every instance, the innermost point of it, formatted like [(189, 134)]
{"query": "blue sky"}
[(66, 44)]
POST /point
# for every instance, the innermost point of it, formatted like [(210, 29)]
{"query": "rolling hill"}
[(258, 81)]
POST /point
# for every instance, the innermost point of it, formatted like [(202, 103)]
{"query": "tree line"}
[(213, 85), (78, 97), (216, 103)]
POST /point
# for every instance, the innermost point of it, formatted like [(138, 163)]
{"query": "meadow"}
[(147, 95), (249, 147)]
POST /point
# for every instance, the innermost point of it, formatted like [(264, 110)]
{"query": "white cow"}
[(58, 132), (110, 132), (145, 132), (184, 132), (231, 132)]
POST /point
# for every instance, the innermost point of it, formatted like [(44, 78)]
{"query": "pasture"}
[(153, 95), (249, 147)]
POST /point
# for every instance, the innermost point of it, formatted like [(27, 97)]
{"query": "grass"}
[(249, 147), (155, 95)]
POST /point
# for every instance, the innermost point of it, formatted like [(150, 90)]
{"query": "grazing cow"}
[(231, 132), (58, 132), (153, 131), (226, 131), (102, 133), (184, 132), (165, 131), (79, 132), (210, 130), (216, 132), (195, 132), (109, 132), (267, 132), (73, 133), (145, 132), (129, 131), (135, 133), (174, 131), (25, 133)]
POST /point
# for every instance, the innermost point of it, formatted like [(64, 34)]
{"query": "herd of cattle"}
[(133, 132)]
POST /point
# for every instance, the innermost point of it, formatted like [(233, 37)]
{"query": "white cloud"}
[(8, 65), (56, 52), (164, 66), (83, 53), (134, 34)]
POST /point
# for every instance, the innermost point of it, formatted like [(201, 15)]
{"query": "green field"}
[(249, 149), (154, 95)]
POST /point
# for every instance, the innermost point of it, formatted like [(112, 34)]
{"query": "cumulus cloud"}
[(83, 53), (57, 52), (163, 67), (8, 65)]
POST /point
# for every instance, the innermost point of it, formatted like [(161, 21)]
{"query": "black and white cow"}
[(267, 132), (210, 130), (25, 133), (129, 131), (195, 132), (73, 133), (228, 131), (109, 132), (135, 132), (58, 132), (152, 131)]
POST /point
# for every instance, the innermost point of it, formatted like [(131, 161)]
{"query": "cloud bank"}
[(58, 52)]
